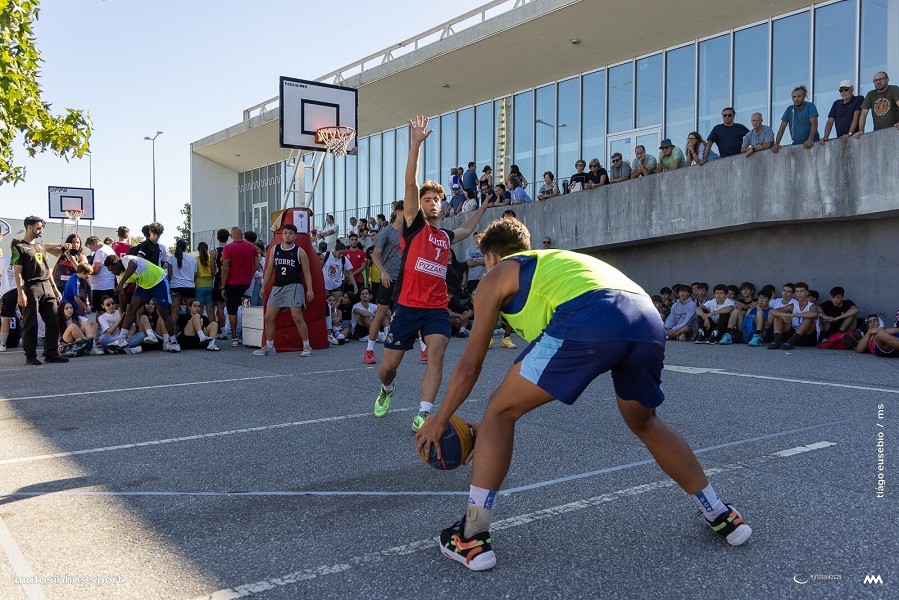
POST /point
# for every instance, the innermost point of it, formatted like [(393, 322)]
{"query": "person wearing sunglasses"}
[(620, 170), (727, 135), (844, 113), (596, 176), (547, 243)]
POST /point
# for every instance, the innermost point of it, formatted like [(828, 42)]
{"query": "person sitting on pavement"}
[(878, 340), (802, 325), (110, 323), (712, 322), (681, 322), (195, 329)]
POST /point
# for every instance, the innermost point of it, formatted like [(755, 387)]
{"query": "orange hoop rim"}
[(74, 215), (335, 139)]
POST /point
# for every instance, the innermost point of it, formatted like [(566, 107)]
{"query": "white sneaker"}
[(151, 338), (166, 346), (96, 351), (121, 343), (211, 345), (498, 331), (306, 352), (135, 350), (332, 340), (381, 337), (2, 347), (176, 347)]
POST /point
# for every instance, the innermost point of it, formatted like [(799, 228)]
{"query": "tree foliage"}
[(21, 107), (184, 230)]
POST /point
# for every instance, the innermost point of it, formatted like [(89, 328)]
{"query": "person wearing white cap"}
[(844, 113)]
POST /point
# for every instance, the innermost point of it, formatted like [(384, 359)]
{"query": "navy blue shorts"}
[(160, 292), (627, 339), (407, 322)]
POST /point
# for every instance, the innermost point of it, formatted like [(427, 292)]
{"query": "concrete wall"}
[(828, 216), (213, 197)]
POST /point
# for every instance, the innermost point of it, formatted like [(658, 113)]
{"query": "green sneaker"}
[(382, 402), (419, 420)]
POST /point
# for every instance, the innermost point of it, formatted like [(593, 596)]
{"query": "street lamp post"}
[(153, 140), (555, 128)]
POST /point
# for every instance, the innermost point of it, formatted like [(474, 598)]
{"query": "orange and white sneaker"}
[(508, 343), (476, 552), (369, 357)]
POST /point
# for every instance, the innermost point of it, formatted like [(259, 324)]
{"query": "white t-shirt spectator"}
[(370, 308), (183, 277), (470, 205), (779, 302), (107, 320), (333, 271), (712, 306), (104, 279), (330, 233)]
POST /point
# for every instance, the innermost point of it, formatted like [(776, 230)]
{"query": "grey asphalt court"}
[(225, 475)]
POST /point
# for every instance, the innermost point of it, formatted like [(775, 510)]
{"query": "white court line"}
[(430, 543), (18, 563), (143, 387), (703, 370), (200, 436)]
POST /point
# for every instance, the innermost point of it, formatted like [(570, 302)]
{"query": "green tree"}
[(21, 108), (184, 231)]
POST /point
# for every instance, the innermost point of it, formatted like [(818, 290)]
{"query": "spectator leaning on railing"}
[(844, 113), (760, 137), (802, 117), (884, 101)]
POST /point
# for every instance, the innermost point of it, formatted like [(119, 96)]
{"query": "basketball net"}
[(74, 216), (335, 139)]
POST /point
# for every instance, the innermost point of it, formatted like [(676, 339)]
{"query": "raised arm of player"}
[(419, 133), (467, 228)]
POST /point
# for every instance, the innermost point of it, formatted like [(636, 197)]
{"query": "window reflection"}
[(751, 74), (388, 170), (546, 131), (594, 121), (790, 65), (362, 178), (714, 81), (430, 160), (649, 91), (447, 147), (374, 171), (402, 153), (621, 98), (483, 141), (680, 93), (523, 133), (465, 128), (834, 53), (568, 137)]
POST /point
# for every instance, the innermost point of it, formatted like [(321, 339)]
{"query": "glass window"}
[(465, 127), (374, 174), (483, 140), (874, 47), (790, 65), (447, 147), (402, 155), (680, 93), (361, 178), (546, 131), (621, 98), (593, 120), (352, 177), (649, 91), (714, 82), (388, 169), (569, 129), (834, 54), (751, 74), (432, 166), (328, 177), (340, 195), (523, 134)]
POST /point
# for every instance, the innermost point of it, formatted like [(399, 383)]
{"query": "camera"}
[(73, 251)]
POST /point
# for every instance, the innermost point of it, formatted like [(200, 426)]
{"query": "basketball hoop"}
[(335, 139), (4, 229), (74, 215)]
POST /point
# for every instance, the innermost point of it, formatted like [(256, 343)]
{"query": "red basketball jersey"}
[(426, 254)]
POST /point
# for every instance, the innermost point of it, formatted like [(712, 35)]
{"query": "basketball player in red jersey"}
[(421, 304)]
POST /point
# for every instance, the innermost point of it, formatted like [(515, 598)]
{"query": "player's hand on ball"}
[(430, 434)]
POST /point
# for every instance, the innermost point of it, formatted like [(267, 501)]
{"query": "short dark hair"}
[(500, 185), (250, 236), (814, 294), (747, 284), (110, 260), (665, 290), (837, 291), (471, 164), (381, 216), (733, 288), (289, 227), (704, 286), (551, 176), (720, 288), (33, 220), (765, 293), (354, 235), (123, 231), (155, 227), (505, 237), (790, 285), (92, 239), (800, 284), (222, 235), (510, 213), (339, 246)]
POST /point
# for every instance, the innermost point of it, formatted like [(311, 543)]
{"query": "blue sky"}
[(188, 68)]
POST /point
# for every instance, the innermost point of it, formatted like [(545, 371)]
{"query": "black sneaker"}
[(56, 358), (729, 525), (33, 361), (700, 339), (475, 552), (776, 344), (787, 346)]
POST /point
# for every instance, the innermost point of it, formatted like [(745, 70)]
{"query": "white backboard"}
[(309, 105), (67, 198)]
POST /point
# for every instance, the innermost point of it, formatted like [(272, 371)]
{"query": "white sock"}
[(149, 331), (306, 345), (165, 338), (423, 346), (426, 406), (202, 336), (328, 323), (3, 338), (123, 334), (709, 503), (463, 330), (371, 345), (389, 388), (269, 344)]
